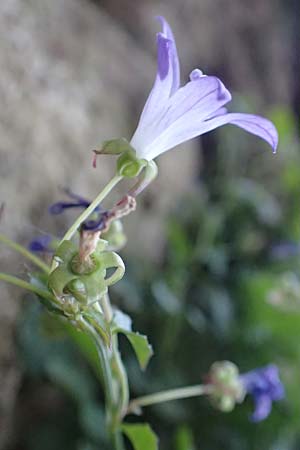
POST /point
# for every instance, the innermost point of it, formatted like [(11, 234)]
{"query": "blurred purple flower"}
[(41, 244), (80, 202), (265, 387), (174, 114), (285, 250)]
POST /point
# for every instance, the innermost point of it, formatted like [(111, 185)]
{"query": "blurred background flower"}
[(202, 271)]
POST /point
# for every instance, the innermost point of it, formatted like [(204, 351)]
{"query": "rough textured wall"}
[(75, 72), (70, 76)]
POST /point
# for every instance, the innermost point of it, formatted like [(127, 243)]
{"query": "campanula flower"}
[(265, 387), (174, 114)]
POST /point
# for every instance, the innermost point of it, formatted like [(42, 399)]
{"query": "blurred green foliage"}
[(208, 300)]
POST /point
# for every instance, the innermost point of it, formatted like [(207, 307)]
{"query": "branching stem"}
[(166, 396), (23, 251), (25, 285)]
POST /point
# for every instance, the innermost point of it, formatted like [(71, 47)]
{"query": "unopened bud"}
[(227, 387)]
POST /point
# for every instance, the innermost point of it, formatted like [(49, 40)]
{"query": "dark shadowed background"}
[(200, 255)]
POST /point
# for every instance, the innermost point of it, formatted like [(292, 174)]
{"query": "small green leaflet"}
[(141, 436), (139, 342), (141, 346)]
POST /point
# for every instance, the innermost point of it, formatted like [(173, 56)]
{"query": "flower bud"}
[(227, 387)]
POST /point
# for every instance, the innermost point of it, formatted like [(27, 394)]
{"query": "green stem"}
[(25, 285), (111, 399), (100, 197), (117, 440), (116, 360), (106, 307), (122, 376), (23, 251), (172, 394)]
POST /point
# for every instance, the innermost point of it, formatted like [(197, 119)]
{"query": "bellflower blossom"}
[(265, 387), (174, 114)]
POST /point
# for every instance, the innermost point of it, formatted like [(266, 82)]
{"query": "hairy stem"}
[(172, 394), (23, 251), (100, 197)]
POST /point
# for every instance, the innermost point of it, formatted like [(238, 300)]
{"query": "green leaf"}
[(139, 342), (141, 436), (141, 346)]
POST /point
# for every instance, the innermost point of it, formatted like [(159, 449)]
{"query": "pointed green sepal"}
[(114, 147)]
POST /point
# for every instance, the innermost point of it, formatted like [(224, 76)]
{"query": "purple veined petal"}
[(166, 82), (160, 93), (163, 85), (199, 99), (219, 112), (190, 126), (263, 406), (203, 95), (257, 125), (174, 55)]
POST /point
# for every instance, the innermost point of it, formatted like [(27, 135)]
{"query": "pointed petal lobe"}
[(190, 126), (174, 55)]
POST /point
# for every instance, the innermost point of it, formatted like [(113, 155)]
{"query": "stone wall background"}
[(76, 72)]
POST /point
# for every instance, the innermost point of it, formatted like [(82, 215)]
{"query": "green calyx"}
[(128, 165), (86, 280)]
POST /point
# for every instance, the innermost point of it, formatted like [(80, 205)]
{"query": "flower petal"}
[(198, 100), (174, 55), (166, 82), (263, 406), (202, 95), (190, 126), (259, 126)]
